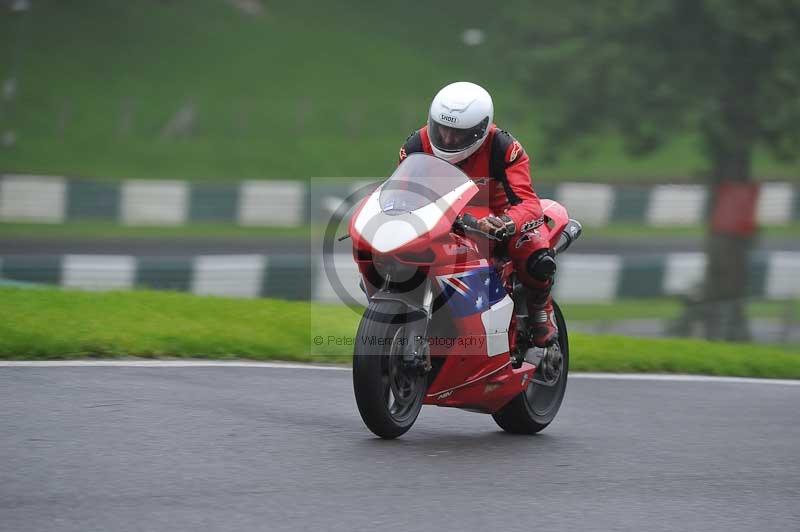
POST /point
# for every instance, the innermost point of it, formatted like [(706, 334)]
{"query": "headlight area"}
[(405, 271), (403, 277), (395, 270)]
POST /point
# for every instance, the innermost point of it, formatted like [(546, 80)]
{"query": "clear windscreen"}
[(419, 180)]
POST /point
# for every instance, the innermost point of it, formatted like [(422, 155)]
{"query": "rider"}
[(460, 131)]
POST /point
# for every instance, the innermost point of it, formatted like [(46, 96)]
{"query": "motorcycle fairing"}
[(496, 322), (558, 217), (393, 231), (481, 291)]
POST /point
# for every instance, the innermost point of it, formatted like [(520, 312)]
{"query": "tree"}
[(727, 71)]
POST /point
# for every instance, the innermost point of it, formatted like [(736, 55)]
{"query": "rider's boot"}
[(542, 318)]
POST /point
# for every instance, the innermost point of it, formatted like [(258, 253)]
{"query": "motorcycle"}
[(446, 322)]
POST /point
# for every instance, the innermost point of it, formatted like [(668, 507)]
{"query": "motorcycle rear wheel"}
[(534, 409), (388, 395)]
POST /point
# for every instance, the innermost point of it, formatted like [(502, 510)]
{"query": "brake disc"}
[(549, 370)]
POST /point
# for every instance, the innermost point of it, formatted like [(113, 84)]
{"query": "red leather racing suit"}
[(501, 170)]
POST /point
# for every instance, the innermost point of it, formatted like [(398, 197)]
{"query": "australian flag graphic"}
[(472, 291)]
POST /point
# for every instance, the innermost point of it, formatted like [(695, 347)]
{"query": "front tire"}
[(389, 396), (534, 409)]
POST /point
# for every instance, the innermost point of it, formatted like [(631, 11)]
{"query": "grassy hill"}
[(304, 89)]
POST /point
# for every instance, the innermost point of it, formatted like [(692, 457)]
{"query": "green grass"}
[(309, 89), (113, 230), (666, 309), (52, 324), (107, 230), (636, 355), (633, 231)]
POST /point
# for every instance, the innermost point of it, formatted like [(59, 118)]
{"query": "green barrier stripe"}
[(306, 205), (642, 277), (796, 210), (210, 202), (92, 200), (289, 277), (757, 280), (164, 273), (630, 204), (44, 269)]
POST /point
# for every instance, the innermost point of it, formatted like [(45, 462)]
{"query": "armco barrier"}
[(581, 277), (52, 199)]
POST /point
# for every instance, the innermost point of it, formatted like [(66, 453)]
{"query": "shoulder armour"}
[(505, 151)]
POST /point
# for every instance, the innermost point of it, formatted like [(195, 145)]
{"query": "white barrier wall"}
[(591, 203), (277, 203), (31, 198), (684, 272), (344, 272), (591, 280), (229, 275), (98, 272), (676, 205), (783, 275), (154, 202), (775, 204)]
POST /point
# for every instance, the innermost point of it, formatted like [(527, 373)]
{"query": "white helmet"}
[(458, 121)]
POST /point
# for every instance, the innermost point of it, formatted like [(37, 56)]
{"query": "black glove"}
[(497, 227)]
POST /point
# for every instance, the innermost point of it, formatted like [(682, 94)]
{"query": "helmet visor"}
[(453, 139)]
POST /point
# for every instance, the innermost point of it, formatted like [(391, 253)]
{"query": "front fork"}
[(417, 356)]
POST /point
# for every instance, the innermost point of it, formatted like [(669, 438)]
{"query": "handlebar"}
[(571, 232), (468, 223)]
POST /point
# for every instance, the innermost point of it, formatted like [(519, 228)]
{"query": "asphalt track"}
[(265, 448)]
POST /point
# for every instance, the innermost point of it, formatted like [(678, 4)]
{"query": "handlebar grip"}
[(571, 232), (468, 220)]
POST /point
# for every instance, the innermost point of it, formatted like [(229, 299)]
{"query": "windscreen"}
[(419, 180)]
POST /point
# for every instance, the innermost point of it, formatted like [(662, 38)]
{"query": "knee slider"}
[(542, 265)]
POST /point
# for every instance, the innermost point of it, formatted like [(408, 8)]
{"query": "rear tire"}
[(534, 409), (389, 396)]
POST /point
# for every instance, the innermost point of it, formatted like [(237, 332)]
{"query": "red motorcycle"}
[(446, 323)]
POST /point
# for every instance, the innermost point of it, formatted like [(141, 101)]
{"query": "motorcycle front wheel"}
[(388, 394), (534, 409)]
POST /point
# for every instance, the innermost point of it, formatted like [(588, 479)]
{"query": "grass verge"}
[(667, 309), (107, 230), (52, 324), (97, 230)]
